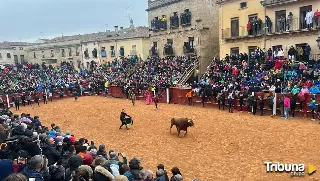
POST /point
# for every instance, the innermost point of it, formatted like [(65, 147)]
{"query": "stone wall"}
[(204, 27), (3, 58), (43, 51), (90, 46)]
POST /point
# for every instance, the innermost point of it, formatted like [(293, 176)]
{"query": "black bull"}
[(181, 124)]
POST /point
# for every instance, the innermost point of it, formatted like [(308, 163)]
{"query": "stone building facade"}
[(191, 27), (129, 41), (6, 53), (55, 51), (90, 52), (234, 17), (13, 52), (80, 50), (298, 33)]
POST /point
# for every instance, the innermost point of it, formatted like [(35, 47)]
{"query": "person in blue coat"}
[(312, 106), (314, 90), (6, 168), (37, 168)]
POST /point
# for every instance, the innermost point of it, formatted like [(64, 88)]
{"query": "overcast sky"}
[(26, 19)]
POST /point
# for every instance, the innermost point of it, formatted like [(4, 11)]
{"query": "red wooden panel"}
[(116, 91), (178, 95)]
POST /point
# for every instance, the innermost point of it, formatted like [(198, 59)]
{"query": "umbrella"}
[(25, 120)]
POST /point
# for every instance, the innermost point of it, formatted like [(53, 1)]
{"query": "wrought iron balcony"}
[(174, 21), (168, 50), (295, 25), (112, 53), (154, 52), (243, 32), (188, 50), (157, 25), (277, 2), (185, 18), (229, 33), (103, 53)]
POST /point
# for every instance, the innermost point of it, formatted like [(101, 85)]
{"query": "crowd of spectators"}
[(160, 72), (237, 76), (130, 71), (31, 151)]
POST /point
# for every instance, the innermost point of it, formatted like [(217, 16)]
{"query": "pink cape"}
[(148, 99)]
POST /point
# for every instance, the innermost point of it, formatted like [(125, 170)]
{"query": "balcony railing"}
[(234, 34), (94, 53), (157, 25), (185, 18), (277, 2), (168, 50), (103, 53), (278, 27), (154, 52), (296, 24), (174, 22), (112, 53), (86, 54), (188, 50)]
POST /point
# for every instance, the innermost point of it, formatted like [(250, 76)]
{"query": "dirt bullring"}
[(221, 146)]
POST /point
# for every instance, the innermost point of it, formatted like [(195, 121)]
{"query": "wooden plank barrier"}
[(177, 95)]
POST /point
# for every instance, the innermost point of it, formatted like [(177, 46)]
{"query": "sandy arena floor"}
[(221, 146)]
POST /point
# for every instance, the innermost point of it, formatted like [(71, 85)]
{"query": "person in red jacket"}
[(249, 28), (308, 83), (277, 65), (235, 71)]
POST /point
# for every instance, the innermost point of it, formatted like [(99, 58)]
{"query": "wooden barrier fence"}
[(177, 95)]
